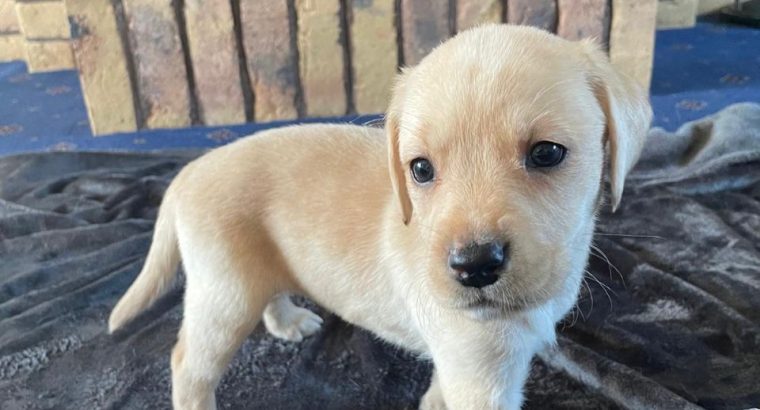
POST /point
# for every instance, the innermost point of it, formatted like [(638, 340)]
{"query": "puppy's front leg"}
[(480, 366), (433, 398)]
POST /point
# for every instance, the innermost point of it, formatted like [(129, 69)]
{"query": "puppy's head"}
[(497, 148)]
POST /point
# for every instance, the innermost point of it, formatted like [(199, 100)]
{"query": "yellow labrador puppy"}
[(460, 232)]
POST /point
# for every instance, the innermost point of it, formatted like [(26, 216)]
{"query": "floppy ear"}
[(627, 112), (395, 167)]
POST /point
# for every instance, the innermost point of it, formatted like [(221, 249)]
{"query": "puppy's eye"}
[(422, 170), (546, 154)]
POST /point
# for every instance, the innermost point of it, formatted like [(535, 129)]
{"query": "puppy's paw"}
[(291, 322)]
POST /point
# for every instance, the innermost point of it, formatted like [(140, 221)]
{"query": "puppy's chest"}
[(363, 296), (387, 319)]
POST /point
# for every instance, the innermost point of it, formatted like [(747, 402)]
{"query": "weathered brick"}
[(537, 13), (424, 24), (583, 19), (374, 53), (8, 20), (12, 47), (43, 20), (102, 66), (271, 59), (711, 6), (321, 57), (159, 63), (632, 38), (216, 69), (48, 55), (470, 13), (676, 13)]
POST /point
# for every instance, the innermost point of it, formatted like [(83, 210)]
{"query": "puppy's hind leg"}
[(224, 301), (287, 321)]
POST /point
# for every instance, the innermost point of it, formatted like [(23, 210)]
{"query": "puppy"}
[(460, 232)]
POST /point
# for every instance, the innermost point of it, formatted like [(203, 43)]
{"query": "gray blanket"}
[(669, 316)]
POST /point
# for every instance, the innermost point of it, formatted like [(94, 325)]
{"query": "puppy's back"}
[(299, 184), (292, 163)]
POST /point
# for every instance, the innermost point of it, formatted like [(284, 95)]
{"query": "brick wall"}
[(11, 39), (174, 63), (45, 28)]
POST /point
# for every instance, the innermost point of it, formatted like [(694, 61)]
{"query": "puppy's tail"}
[(157, 273)]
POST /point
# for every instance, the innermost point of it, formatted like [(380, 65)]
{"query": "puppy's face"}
[(498, 143)]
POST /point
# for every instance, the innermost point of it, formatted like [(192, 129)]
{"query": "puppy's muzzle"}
[(477, 265)]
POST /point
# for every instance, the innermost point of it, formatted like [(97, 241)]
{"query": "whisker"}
[(374, 121), (622, 235), (591, 297), (604, 287), (574, 317), (610, 265)]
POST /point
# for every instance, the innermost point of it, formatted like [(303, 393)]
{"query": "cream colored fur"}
[(331, 212)]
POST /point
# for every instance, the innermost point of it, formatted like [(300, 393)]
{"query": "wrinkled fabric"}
[(669, 316)]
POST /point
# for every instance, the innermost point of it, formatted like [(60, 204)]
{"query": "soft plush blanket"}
[(669, 316)]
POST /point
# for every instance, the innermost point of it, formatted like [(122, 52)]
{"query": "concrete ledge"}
[(49, 55), (12, 47), (43, 20), (676, 13), (8, 19)]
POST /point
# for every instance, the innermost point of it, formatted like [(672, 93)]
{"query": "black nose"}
[(476, 265)]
